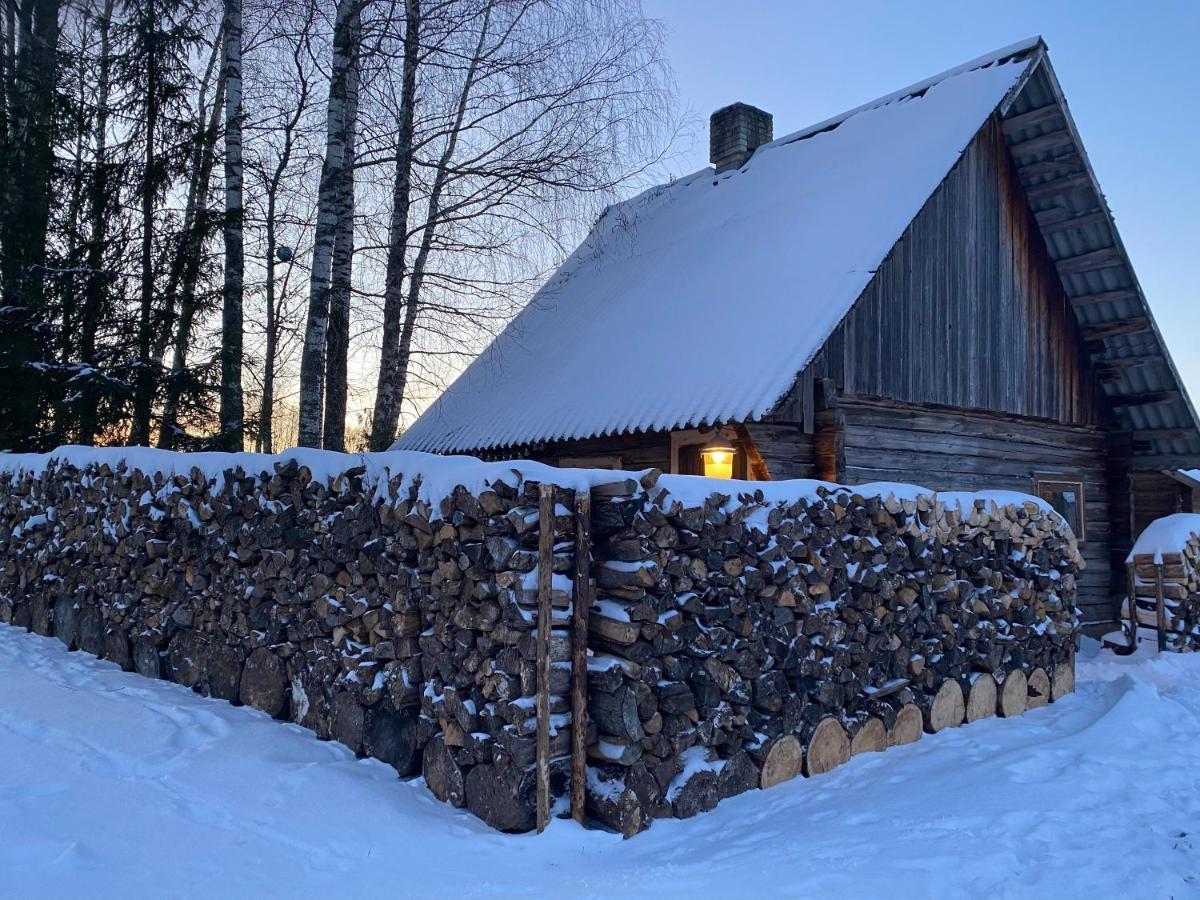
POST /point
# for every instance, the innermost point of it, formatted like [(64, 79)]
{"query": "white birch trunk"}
[(312, 360), (232, 410)]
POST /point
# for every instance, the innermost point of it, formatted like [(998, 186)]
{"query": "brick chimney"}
[(734, 132)]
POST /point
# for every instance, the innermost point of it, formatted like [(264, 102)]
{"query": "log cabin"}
[(929, 288)]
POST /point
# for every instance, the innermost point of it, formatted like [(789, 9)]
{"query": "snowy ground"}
[(114, 785)]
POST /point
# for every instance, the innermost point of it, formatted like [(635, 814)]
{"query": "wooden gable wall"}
[(968, 310)]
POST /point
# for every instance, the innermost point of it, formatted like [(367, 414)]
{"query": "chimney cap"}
[(735, 132)]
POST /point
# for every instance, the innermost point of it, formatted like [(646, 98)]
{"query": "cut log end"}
[(908, 727), (948, 708), (828, 748), (1038, 689), (1014, 694), (782, 762), (1063, 682), (981, 701), (871, 738)]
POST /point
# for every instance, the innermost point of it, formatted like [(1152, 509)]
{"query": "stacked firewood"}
[(352, 607), (738, 642), (1176, 576)]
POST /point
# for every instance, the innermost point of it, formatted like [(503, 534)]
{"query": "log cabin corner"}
[(927, 289)]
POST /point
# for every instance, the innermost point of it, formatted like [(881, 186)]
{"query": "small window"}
[(1066, 496)]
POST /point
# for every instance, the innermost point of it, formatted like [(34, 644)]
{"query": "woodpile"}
[(724, 643), (354, 608), (782, 638), (1170, 581)]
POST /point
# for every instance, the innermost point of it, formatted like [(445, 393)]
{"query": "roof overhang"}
[(1139, 379)]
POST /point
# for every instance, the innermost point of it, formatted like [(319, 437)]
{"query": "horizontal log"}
[(1148, 399), (1048, 189), (1118, 296), (1099, 331), (1071, 222)]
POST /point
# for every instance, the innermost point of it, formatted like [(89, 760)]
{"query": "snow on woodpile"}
[(682, 279), (740, 632), (1166, 559)]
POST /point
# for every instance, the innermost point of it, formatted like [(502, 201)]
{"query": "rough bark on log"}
[(442, 774), (262, 685)]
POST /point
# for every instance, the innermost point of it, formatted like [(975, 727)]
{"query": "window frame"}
[(1046, 480)]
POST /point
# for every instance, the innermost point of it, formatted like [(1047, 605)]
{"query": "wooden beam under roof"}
[(1162, 434), (1161, 462), (1117, 296), (1112, 369), (1104, 258), (1058, 186), (1054, 140), (1147, 399), (1098, 331), (1059, 166), (1053, 224), (1040, 116)]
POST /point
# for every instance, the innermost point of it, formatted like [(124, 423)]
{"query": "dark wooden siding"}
[(786, 451), (646, 450), (945, 449), (967, 310)]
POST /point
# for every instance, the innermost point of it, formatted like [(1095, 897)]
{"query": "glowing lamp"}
[(717, 454)]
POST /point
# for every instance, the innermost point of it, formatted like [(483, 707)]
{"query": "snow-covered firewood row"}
[(1168, 554), (740, 633)]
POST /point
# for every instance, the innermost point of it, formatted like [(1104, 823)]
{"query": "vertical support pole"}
[(581, 601), (544, 585), (1131, 591), (1161, 617)]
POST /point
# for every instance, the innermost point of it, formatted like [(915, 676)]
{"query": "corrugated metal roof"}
[(612, 323), (1148, 397), (701, 300)]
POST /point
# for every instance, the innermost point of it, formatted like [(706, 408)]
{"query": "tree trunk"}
[(312, 360), (143, 394), (24, 218), (189, 274), (337, 341), (232, 409), (97, 281), (387, 400)]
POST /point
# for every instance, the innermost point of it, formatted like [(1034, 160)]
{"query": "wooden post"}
[(1161, 611), (544, 586), (581, 600), (1131, 588)]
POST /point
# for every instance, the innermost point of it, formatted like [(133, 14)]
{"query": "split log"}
[(1014, 694), (783, 761), (948, 708), (828, 747), (981, 701), (507, 804), (870, 738), (262, 684), (442, 774), (908, 728), (1064, 679), (1038, 688)]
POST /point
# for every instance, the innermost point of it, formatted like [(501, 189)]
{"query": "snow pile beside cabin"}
[(389, 601), (716, 290)]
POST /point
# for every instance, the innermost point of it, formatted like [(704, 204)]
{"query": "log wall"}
[(732, 641)]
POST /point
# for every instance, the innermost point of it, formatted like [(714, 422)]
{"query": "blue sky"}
[(1129, 72)]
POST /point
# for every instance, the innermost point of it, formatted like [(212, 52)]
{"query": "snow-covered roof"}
[(701, 300)]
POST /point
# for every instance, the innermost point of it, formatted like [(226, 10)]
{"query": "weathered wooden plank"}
[(1104, 258), (1054, 140), (1059, 223), (1118, 296), (1098, 331), (542, 700), (1057, 167), (1043, 115), (1149, 398), (1053, 188), (581, 602)]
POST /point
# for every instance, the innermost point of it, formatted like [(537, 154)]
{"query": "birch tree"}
[(330, 203), (232, 411)]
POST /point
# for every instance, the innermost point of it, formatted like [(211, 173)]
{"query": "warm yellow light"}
[(717, 456)]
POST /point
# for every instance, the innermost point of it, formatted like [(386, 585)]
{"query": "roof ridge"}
[(1004, 54)]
